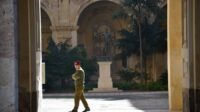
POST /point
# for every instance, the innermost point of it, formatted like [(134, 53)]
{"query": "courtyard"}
[(26, 23), (110, 102)]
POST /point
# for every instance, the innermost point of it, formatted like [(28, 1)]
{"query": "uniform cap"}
[(77, 63)]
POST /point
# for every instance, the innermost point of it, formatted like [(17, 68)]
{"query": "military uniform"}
[(79, 79)]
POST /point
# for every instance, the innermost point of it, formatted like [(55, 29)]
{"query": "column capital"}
[(63, 33), (64, 28)]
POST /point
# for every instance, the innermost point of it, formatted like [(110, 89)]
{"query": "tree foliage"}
[(59, 65), (144, 35)]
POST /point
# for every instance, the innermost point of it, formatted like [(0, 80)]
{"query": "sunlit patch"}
[(96, 105)]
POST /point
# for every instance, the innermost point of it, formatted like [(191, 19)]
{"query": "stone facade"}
[(8, 56), (63, 18), (78, 21)]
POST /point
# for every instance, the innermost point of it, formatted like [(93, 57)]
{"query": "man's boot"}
[(86, 109)]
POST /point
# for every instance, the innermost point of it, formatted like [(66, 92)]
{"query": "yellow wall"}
[(175, 55)]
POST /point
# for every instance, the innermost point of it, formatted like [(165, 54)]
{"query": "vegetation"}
[(59, 66), (164, 78), (143, 36), (128, 74), (128, 82), (132, 86)]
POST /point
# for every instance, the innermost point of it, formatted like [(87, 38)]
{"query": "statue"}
[(107, 42), (102, 38)]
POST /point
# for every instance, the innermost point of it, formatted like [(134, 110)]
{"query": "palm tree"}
[(139, 38), (128, 46)]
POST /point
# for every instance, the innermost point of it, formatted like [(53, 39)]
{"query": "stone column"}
[(74, 40), (175, 64), (188, 67), (191, 53), (30, 87), (8, 57), (105, 83), (196, 45)]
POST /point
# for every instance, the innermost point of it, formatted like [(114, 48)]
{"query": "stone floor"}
[(110, 102)]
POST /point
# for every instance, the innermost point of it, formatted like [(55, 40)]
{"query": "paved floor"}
[(110, 102)]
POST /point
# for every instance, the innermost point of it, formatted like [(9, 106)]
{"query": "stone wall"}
[(8, 56), (156, 64)]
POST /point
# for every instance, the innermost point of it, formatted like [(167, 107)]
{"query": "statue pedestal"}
[(105, 83)]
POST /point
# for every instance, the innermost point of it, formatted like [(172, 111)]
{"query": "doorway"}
[(30, 55)]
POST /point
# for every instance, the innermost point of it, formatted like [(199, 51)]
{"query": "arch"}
[(105, 9), (45, 15), (85, 5), (45, 28), (47, 12), (95, 18)]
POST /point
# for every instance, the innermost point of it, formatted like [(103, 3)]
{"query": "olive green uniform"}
[(79, 78)]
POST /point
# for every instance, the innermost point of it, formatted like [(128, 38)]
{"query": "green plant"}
[(133, 86), (90, 86), (59, 65), (164, 78), (155, 86), (124, 85), (128, 74), (150, 86)]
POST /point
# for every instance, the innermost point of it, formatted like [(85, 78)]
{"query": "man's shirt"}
[(79, 78)]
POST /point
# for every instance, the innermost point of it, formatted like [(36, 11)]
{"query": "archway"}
[(96, 19), (45, 28), (28, 58), (46, 36)]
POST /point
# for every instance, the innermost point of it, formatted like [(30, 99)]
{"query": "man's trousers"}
[(79, 95)]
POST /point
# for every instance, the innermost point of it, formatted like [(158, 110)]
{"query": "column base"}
[(175, 111)]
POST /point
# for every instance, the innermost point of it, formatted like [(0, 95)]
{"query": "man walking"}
[(79, 78)]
